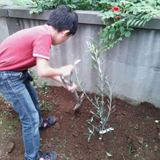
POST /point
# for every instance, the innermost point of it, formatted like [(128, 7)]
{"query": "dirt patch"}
[(136, 136)]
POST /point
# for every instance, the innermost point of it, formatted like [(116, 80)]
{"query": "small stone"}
[(67, 111), (49, 145), (10, 147), (143, 111), (155, 148), (72, 118), (82, 127), (57, 126), (113, 120), (136, 126), (61, 117), (75, 134), (129, 141), (124, 112), (140, 140), (8, 157), (76, 146), (97, 148), (58, 140), (57, 119), (130, 125)]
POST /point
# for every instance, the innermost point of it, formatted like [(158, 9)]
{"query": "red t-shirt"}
[(18, 52)]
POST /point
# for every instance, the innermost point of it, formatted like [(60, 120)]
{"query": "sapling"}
[(100, 117)]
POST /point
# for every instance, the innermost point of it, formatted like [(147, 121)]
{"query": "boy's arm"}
[(44, 70)]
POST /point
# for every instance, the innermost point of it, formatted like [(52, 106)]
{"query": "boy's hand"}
[(71, 88), (67, 70)]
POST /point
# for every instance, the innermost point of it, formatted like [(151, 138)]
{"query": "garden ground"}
[(136, 136)]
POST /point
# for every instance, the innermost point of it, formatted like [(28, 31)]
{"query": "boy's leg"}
[(20, 93), (47, 122), (13, 88), (35, 99)]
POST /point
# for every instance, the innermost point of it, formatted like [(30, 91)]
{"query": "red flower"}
[(115, 9)]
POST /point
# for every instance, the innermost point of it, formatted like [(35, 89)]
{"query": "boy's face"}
[(61, 37)]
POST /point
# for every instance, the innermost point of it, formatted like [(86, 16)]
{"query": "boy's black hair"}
[(63, 18)]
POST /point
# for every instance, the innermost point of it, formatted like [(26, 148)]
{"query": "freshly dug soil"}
[(136, 136)]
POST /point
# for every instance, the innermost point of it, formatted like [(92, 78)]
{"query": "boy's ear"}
[(65, 32)]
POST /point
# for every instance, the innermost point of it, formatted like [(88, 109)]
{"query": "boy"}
[(23, 50)]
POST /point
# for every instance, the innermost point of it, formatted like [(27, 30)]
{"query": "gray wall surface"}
[(132, 66)]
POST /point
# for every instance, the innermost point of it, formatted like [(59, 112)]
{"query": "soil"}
[(136, 136)]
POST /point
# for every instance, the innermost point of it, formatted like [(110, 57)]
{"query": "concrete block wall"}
[(132, 66)]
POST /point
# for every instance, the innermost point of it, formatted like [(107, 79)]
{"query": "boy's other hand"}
[(71, 88), (67, 70)]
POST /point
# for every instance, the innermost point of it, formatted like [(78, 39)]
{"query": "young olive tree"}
[(100, 115)]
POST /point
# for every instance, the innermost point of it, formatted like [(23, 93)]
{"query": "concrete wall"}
[(132, 66)]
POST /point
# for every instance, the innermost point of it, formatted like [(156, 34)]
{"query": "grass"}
[(8, 126), (47, 105), (130, 149), (74, 125)]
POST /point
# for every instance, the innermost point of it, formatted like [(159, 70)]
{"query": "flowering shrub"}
[(125, 15)]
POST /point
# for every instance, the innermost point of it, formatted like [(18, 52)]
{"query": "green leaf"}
[(90, 1), (132, 23), (129, 21), (136, 22), (127, 34), (96, 101), (80, 81), (113, 35), (100, 80), (130, 29), (90, 131), (99, 88), (113, 106), (93, 58), (106, 120), (109, 155), (90, 96), (135, 11), (120, 39), (121, 29), (110, 35), (140, 23), (108, 106), (84, 88), (95, 67), (77, 61), (112, 30), (89, 137)]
